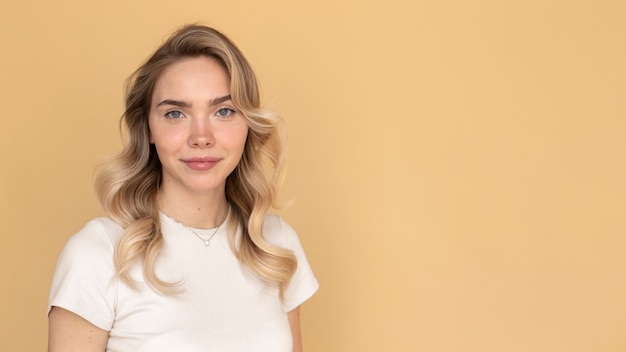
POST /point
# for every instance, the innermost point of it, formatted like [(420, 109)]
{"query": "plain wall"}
[(457, 167)]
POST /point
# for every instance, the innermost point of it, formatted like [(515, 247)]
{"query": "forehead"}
[(193, 77)]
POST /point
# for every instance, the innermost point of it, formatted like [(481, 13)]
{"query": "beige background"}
[(458, 167)]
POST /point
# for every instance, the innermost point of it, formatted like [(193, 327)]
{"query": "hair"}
[(127, 185)]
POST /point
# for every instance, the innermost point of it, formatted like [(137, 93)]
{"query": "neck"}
[(203, 211)]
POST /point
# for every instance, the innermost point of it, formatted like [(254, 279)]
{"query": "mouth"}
[(201, 163)]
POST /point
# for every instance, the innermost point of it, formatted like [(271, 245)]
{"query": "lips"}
[(201, 163)]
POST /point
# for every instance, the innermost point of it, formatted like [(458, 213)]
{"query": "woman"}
[(188, 259)]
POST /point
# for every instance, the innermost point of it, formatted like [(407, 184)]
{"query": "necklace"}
[(207, 242)]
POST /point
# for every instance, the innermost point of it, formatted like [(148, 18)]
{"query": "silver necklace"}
[(206, 242)]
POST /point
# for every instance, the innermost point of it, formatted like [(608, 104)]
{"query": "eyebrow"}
[(184, 104), (220, 100)]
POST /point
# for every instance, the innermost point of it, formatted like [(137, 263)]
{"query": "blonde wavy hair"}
[(127, 185)]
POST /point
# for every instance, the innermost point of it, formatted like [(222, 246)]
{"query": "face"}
[(198, 133)]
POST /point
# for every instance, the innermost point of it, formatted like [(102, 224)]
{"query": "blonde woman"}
[(188, 258)]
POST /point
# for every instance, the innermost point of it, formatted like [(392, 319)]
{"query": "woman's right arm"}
[(68, 332)]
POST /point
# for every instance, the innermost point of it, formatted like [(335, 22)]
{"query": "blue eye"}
[(175, 114), (225, 112)]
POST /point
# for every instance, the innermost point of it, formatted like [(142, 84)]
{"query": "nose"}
[(201, 134)]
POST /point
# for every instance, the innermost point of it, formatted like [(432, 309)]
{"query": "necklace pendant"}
[(207, 243)]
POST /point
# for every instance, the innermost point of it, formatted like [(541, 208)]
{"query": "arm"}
[(68, 332), (294, 323)]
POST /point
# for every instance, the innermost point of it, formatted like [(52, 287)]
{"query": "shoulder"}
[(278, 232), (303, 283), (84, 279), (99, 235)]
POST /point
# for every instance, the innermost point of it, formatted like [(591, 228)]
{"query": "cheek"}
[(235, 136), (168, 138), (237, 143), (243, 137)]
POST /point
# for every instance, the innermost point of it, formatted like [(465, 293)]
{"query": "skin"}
[(294, 323), (191, 117), (67, 332)]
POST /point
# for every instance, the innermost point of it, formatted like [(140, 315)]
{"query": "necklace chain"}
[(207, 242)]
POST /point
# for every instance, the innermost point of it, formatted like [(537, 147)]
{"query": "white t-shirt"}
[(222, 307)]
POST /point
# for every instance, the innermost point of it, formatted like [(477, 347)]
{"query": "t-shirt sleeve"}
[(84, 280), (303, 284)]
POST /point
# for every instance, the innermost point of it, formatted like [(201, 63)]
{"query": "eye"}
[(174, 114), (225, 112)]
